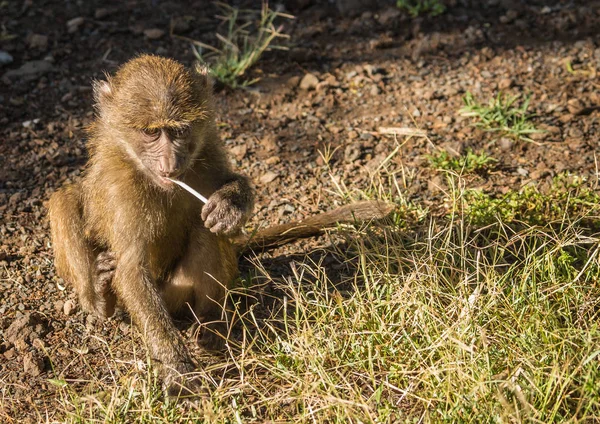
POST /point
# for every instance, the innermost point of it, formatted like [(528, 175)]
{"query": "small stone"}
[(575, 132), (136, 29), (10, 353), (269, 144), (74, 24), (272, 160), (566, 118), (181, 24), (352, 153), (505, 83), (154, 33), (388, 16), (14, 199), (125, 328), (32, 364), (30, 70), (505, 143), (510, 16), (375, 90), (38, 41), (102, 13), (39, 344), (239, 151), (5, 58), (293, 81), (69, 307), (268, 177), (575, 106), (58, 305), (522, 171), (309, 82)]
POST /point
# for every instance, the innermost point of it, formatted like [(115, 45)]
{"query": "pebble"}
[(32, 364), (309, 82), (239, 151), (10, 353), (74, 24), (388, 16), (154, 33), (510, 16), (268, 177), (29, 70), (38, 41), (575, 106), (522, 171), (293, 81), (181, 24), (5, 58), (69, 307), (505, 83), (102, 13)]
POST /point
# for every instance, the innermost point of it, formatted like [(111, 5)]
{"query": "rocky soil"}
[(312, 124)]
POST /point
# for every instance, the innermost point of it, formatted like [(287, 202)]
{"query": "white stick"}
[(191, 190)]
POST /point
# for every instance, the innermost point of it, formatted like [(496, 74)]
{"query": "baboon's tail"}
[(279, 235)]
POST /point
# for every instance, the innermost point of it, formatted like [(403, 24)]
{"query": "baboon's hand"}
[(104, 299), (227, 210)]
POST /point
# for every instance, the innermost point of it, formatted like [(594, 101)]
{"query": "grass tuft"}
[(420, 7), (502, 114), (469, 163), (247, 36), (567, 199)]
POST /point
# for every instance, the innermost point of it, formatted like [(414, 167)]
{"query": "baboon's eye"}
[(180, 132), (151, 132)]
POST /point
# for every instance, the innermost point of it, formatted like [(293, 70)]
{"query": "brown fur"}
[(125, 233), (165, 257)]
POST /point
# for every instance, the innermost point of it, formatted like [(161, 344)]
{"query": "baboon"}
[(124, 233)]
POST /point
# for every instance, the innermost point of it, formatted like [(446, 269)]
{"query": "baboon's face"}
[(157, 110)]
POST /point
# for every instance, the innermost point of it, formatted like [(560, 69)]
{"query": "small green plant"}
[(469, 163), (502, 114), (245, 40), (419, 7), (567, 197)]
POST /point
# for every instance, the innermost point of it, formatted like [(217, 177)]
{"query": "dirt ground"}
[(373, 69)]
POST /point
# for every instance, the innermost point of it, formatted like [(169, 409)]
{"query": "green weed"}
[(241, 46), (569, 198), (468, 163), (420, 7), (502, 114)]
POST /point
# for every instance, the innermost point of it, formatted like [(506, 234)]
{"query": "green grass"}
[(469, 163), (420, 7), (502, 114), (569, 198), (248, 34), (485, 313)]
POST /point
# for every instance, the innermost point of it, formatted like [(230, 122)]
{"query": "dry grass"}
[(423, 319)]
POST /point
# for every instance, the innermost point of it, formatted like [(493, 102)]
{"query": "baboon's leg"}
[(200, 280), (75, 259)]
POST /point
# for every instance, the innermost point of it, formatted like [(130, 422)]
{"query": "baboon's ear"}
[(203, 73), (103, 91)]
